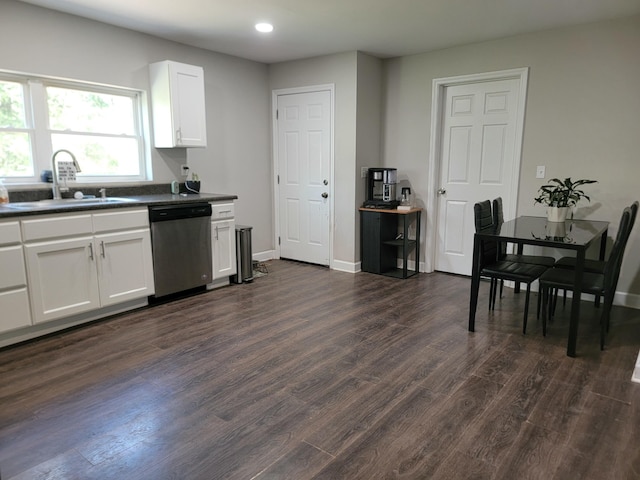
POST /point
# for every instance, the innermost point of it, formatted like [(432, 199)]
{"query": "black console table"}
[(383, 235)]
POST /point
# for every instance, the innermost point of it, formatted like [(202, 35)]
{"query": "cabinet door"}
[(177, 98), (223, 244), (62, 278), (187, 101), (125, 266)]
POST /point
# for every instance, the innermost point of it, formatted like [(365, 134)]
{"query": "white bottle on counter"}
[(4, 194)]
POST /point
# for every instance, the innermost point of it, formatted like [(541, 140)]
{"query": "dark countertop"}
[(23, 209)]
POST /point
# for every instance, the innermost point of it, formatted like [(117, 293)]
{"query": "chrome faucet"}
[(57, 190)]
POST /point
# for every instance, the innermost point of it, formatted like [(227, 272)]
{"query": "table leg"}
[(603, 248), (475, 283), (603, 244), (417, 255), (575, 304)]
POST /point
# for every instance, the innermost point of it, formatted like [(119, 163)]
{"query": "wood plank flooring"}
[(308, 373)]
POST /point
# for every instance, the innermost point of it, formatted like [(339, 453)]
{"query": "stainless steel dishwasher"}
[(181, 245)]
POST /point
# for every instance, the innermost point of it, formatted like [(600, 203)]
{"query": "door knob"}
[(325, 195), (441, 191)]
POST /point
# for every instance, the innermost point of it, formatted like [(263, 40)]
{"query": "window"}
[(101, 125)]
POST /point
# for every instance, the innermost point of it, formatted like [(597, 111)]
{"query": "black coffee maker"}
[(381, 188)]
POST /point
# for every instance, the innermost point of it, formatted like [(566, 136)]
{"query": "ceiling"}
[(306, 28)]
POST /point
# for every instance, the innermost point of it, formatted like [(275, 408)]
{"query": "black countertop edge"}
[(136, 201)]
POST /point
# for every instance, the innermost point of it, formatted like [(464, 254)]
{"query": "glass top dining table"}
[(576, 235)]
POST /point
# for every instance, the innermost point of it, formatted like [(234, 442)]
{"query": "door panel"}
[(304, 156), (477, 163)]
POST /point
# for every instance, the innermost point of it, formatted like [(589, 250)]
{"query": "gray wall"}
[(237, 159), (582, 118)]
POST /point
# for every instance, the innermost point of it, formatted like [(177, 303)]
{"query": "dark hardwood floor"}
[(308, 373)]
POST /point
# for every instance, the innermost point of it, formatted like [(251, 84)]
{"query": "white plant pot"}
[(557, 214), (557, 230)]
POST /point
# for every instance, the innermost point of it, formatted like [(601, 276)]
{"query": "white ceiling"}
[(306, 28)]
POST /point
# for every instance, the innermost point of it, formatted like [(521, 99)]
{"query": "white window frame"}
[(36, 113)]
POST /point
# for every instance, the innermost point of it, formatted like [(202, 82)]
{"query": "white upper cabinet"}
[(178, 105)]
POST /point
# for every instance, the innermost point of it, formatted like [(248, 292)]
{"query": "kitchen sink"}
[(67, 202)]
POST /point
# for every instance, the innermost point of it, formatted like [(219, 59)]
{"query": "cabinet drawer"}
[(14, 306), (53, 227), (120, 220), (9, 233), (221, 211), (12, 267)]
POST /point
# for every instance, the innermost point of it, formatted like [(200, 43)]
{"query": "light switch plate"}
[(540, 171)]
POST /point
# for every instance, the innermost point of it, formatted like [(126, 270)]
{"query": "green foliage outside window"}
[(15, 145)]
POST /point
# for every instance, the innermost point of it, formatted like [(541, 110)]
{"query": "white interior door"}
[(304, 166), (477, 162)]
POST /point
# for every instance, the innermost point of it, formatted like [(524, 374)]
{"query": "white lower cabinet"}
[(223, 244), (14, 297), (125, 266), (69, 276), (62, 278)]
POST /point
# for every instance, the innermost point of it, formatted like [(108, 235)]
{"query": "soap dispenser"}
[(4, 194)]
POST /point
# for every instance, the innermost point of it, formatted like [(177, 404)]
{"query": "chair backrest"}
[(498, 220), (482, 215), (634, 212), (614, 263), (484, 222), (624, 234)]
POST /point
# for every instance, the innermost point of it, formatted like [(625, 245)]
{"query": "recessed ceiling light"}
[(264, 27)]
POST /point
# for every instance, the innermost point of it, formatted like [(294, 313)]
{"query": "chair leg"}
[(551, 293), (544, 292), (501, 287), (539, 302), (526, 309), (495, 295), (491, 287), (604, 320)]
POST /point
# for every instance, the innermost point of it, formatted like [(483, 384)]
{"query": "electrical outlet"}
[(540, 171), (363, 172), (184, 170)]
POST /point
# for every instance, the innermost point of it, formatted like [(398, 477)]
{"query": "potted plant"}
[(560, 195), (193, 185)]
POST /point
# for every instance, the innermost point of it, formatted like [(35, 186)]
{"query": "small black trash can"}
[(244, 255)]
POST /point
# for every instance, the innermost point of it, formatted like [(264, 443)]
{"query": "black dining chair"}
[(498, 220), (600, 284), (595, 266), (494, 268)]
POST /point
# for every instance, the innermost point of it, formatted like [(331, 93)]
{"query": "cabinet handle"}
[(91, 251), (102, 249), (216, 233)]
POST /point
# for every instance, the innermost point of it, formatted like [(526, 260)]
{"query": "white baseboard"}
[(349, 267), (264, 256), (636, 371)]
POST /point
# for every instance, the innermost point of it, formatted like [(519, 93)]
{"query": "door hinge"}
[(278, 179), (277, 114), (278, 240)]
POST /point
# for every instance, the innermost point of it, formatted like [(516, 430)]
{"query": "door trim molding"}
[(435, 148), (330, 87)]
